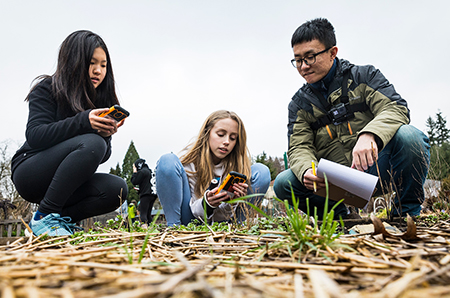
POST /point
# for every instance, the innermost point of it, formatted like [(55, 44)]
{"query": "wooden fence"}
[(7, 227)]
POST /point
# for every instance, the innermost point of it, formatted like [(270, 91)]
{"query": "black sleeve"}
[(44, 129), (209, 209), (136, 178)]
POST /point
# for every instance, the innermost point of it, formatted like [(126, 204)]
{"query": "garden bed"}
[(177, 263)]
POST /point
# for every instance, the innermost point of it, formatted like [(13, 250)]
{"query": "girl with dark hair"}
[(142, 176), (182, 183), (66, 139)]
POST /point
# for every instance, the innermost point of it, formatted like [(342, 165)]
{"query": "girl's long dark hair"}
[(71, 83)]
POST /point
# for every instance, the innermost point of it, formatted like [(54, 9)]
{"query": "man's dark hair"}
[(320, 29)]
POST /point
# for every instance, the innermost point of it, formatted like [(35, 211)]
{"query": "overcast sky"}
[(175, 62)]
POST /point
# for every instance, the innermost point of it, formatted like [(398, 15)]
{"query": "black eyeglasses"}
[(310, 60)]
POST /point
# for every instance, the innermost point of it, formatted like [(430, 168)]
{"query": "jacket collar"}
[(324, 83)]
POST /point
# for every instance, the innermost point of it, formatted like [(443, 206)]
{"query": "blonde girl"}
[(182, 183)]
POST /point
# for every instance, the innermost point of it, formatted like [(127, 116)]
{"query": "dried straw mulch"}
[(206, 264)]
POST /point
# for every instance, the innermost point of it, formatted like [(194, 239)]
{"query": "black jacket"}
[(47, 125), (142, 179)]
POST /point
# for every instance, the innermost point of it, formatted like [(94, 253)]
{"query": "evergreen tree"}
[(127, 170), (439, 136), (438, 133), (443, 132), (130, 157), (117, 171), (431, 130), (270, 163)]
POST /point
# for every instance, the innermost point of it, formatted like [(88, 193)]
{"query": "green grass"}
[(303, 237), (305, 234)]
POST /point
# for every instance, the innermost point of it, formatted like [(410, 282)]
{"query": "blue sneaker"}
[(73, 227), (53, 223)]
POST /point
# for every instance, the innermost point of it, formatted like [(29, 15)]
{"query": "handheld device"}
[(230, 179), (116, 112), (213, 184)]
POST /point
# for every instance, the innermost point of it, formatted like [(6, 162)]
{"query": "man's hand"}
[(363, 154), (309, 178)]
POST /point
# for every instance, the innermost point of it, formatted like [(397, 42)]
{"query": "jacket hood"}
[(139, 163)]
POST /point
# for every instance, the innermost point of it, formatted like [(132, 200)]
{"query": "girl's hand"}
[(216, 200), (104, 126), (240, 189), (120, 123)]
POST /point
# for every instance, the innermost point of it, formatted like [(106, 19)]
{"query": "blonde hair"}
[(200, 154)]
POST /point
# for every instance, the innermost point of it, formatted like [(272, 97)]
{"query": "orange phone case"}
[(230, 179), (116, 112)]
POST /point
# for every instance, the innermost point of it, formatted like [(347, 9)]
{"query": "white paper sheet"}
[(356, 182)]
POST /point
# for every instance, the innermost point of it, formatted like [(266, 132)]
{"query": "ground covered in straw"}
[(177, 263)]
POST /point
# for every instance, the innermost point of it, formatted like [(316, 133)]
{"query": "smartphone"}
[(116, 112), (230, 179)]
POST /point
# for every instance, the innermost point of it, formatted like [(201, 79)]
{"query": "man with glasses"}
[(351, 115)]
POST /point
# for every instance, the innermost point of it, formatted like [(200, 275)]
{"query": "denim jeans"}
[(403, 162), (172, 187)]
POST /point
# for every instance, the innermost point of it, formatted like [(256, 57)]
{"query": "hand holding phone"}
[(231, 179), (116, 112)]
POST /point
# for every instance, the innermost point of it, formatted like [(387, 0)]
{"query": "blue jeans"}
[(403, 162), (172, 187)]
